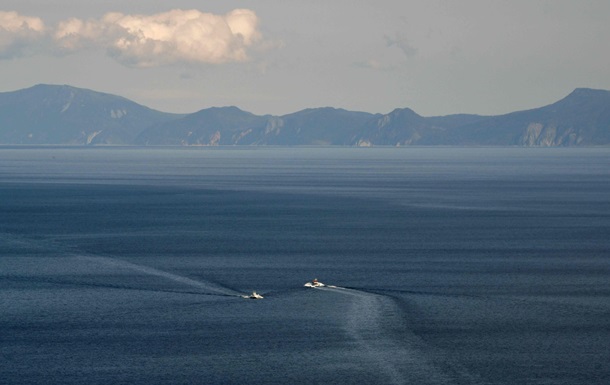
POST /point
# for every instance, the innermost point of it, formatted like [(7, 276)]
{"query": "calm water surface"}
[(452, 266)]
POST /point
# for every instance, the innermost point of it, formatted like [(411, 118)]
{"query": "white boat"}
[(254, 295), (314, 283)]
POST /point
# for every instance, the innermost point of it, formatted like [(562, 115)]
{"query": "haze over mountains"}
[(65, 115)]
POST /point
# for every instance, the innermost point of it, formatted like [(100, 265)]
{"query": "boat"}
[(254, 295), (314, 283)]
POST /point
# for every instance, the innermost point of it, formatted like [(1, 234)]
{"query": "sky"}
[(437, 57)]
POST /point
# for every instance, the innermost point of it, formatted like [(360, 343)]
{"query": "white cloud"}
[(181, 36), (73, 35), (18, 33), (177, 36)]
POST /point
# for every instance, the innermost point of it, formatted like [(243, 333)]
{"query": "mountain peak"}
[(587, 93), (224, 111), (56, 87), (227, 109), (62, 114), (404, 111), (583, 96)]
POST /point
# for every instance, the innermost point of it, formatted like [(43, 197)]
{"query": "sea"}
[(127, 265)]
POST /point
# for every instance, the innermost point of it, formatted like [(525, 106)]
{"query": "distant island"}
[(65, 115)]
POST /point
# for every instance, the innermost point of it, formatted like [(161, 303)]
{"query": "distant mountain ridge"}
[(49, 114), (52, 114), (581, 118)]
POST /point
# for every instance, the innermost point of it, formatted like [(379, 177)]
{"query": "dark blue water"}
[(453, 266)]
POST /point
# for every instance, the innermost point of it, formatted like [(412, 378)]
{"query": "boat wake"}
[(375, 323), (207, 287)]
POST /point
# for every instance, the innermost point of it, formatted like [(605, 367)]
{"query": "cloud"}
[(402, 43), (177, 36), (181, 36), (73, 35), (19, 34)]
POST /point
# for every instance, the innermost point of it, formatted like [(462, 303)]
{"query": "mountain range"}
[(65, 115)]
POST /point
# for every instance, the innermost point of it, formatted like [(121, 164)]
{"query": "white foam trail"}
[(206, 286), (401, 361)]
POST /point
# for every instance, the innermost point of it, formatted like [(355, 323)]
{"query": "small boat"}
[(254, 295), (314, 283)]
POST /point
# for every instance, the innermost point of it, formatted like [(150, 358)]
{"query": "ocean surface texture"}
[(451, 266)]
